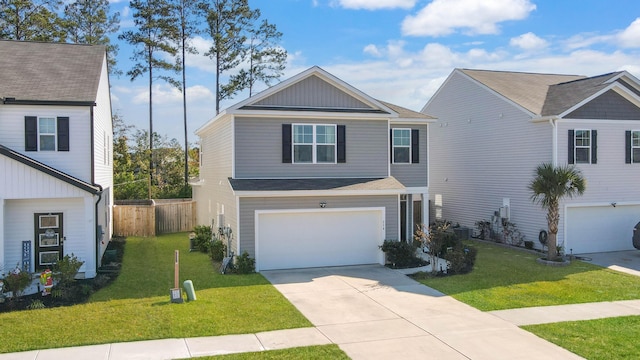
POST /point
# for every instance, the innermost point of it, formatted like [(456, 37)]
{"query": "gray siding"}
[(258, 150), (313, 92), (484, 149), (609, 105), (248, 206), (413, 175), (215, 191)]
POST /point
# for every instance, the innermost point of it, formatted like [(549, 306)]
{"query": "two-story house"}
[(494, 128), (55, 155), (313, 172)]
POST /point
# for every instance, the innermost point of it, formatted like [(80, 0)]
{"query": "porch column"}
[(425, 209), (91, 244), (2, 260)]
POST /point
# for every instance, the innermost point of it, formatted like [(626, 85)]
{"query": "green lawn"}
[(320, 352), (505, 278), (136, 306), (612, 338)]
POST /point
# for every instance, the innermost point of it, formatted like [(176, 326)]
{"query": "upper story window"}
[(405, 146), (583, 146), (314, 143), (46, 133), (632, 142)]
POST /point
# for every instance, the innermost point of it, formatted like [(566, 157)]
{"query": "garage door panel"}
[(601, 228), (318, 238)]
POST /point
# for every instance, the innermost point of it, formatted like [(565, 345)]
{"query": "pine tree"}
[(89, 22), (156, 34), (31, 20)]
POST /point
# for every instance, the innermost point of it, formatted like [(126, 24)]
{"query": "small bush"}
[(218, 250), (203, 238), (401, 254), (484, 229), (245, 264), (35, 305), (17, 281), (461, 259), (528, 244), (67, 269)]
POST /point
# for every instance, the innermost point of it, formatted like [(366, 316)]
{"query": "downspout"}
[(554, 145), (98, 233)]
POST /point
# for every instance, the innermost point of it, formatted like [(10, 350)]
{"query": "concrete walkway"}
[(371, 312)]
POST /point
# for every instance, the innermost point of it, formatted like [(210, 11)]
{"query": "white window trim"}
[(54, 134), (314, 144), (576, 147), (393, 146), (633, 161)]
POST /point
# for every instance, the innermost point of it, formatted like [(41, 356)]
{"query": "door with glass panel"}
[(49, 239)]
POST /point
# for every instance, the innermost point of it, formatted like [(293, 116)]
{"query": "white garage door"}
[(319, 237), (601, 228)]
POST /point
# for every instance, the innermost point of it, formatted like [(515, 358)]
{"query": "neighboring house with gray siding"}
[(55, 155), (495, 127), (313, 172)]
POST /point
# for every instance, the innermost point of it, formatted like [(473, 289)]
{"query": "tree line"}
[(244, 47)]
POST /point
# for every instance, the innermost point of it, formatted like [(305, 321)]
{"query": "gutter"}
[(554, 141), (98, 233)]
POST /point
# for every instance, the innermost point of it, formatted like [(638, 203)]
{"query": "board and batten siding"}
[(75, 162), (78, 228), (214, 191), (313, 92), (413, 175), (258, 149), (484, 149), (610, 179), (249, 205)]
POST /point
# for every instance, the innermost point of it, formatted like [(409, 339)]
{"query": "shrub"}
[(528, 244), (484, 229), (401, 254), (245, 264), (203, 238), (36, 304), (511, 234), (461, 259), (16, 281), (67, 269), (218, 250)]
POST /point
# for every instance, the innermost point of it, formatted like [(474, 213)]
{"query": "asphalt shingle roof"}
[(388, 183), (405, 113), (38, 71), (562, 97)]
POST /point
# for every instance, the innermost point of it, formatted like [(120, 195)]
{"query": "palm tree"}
[(550, 185)]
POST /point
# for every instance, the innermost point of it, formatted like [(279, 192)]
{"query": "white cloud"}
[(528, 42), (630, 37), (443, 17), (375, 4), (372, 50), (164, 94)]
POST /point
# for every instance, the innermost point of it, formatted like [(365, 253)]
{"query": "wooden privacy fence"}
[(153, 217)]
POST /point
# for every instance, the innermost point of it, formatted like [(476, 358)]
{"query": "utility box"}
[(636, 236)]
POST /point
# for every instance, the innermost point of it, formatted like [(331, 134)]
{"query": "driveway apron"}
[(373, 312)]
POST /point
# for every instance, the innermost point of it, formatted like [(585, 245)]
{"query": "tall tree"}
[(228, 24), (89, 22), (31, 20), (266, 59), (549, 186), (190, 12), (156, 36)]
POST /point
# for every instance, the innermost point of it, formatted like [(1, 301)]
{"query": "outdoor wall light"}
[(613, 204), (323, 204)]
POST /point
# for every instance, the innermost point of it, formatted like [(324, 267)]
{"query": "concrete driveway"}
[(373, 312), (624, 261)]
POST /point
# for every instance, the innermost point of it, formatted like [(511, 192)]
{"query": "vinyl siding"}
[(248, 206), (75, 162), (413, 175), (215, 171), (484, 149), (259, 150), (313, 92), (77, 225), (609, 105)]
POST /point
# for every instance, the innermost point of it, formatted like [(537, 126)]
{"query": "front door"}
[(49, 239)]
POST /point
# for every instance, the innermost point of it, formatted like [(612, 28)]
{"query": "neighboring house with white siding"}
[(56, 171), (494, 128), (313, 172)]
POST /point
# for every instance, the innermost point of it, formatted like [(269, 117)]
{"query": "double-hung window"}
[(401, 146), (583, 146), (314, 144), (47, 134), (635, 146)]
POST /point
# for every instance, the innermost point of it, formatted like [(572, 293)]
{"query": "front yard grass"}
[(137, 305), (505, 278), (611, 338), (329, 352)]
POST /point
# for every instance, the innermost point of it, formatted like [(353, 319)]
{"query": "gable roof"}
[(407, 114), (528, 90), (93, 189), (562, 97), (50, 72)]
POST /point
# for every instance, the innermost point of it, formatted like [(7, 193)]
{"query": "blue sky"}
[(401, 51)]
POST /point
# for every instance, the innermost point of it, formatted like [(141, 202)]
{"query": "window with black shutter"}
[(46, 133), (30, 133), (632, 146), (583, 146), (405, 146)]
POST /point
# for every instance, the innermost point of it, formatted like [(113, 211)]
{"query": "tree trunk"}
[(552, 250)]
